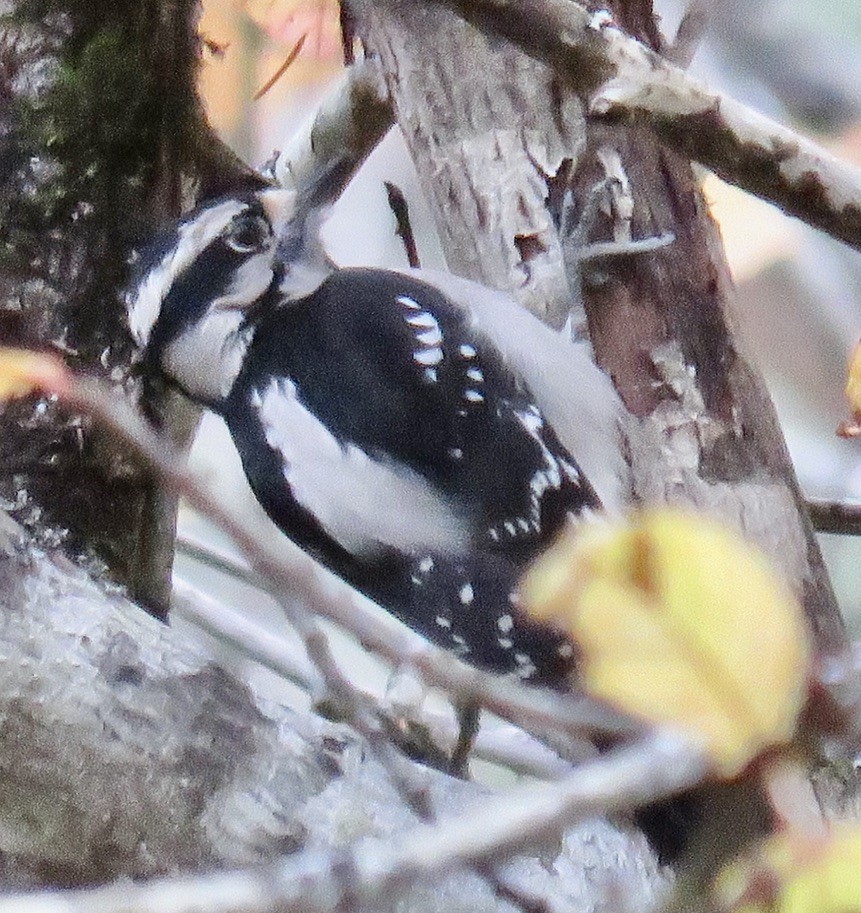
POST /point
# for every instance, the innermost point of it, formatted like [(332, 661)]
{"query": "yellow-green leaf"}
[(791, 873), (852, 427), (23, 372), (680, 622)]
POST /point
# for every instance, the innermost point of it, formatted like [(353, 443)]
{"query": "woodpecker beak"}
[(279, 206)]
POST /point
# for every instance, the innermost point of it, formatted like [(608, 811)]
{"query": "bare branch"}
[(326, 152), (299, 575), (251, 640), (691, 31), (317, 882), (505, 745), (622, 77)]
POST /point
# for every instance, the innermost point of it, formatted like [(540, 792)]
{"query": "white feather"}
[(363, 503), (207, 357)]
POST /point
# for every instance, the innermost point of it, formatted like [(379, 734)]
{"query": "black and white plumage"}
[(421, 435)]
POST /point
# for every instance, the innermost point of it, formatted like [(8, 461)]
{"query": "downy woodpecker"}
[(421, 435)]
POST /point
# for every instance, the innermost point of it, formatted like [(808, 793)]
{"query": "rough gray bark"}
[(127, 752), (101, 140), (490, 131), (497, 138)]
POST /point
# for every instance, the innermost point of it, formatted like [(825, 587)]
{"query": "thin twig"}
[(298, 575), (409, 780), (249, 639), (838, 517), (403, 226), (690, 33), (503, 744), (356, 706), (297, 50)]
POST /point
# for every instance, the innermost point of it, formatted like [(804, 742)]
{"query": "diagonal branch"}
[(837, 517), (299, 575), (623, 78), (362, 877)]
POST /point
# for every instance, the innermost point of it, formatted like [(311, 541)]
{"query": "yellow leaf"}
[(23, 372), (681, 623), (789, 873)]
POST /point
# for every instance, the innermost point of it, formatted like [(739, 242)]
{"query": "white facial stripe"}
[(193, 237), (361, 502)]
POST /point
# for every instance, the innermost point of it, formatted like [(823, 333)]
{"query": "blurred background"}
[(799, 293)]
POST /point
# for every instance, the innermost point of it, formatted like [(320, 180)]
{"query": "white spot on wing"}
[(468, 351), (550, 475), (423, 320), (363, 503), (408, 302), (526, 667), (427, 356), (505, 624), (473, 396), (430, 337), (466, 594)]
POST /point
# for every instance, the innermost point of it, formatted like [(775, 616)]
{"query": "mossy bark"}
[(101, 139)]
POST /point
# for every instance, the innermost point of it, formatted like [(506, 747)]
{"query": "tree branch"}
[(622, 77), (507, 746), (835, 517), (365, 876), (294, 574), (325, 153)]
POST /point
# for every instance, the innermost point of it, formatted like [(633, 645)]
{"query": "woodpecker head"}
[(189, 310)]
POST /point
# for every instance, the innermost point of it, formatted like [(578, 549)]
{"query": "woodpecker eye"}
[(248, 233)]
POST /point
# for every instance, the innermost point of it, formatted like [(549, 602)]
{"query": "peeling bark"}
[(497, 139)]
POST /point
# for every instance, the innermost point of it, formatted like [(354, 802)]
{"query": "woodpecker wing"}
[(395, 423)]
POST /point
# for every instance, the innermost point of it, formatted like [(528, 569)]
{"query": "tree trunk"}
[(497, 139), (101, 140)]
